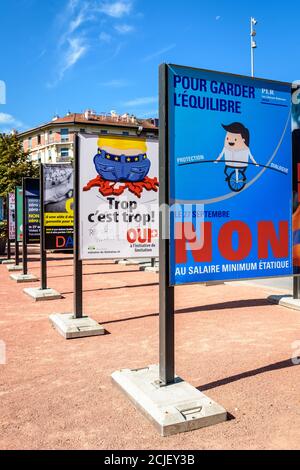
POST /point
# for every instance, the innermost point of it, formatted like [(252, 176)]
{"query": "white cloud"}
[(158, 53), (124, 28), (218, 18), (105, 37), (10, 121), (75, 51), (141, 101), (116, 9), (76, 25)]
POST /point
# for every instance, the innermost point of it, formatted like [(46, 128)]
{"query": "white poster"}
[(119, 213)]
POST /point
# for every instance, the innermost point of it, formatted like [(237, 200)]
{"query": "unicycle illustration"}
[(236, 179)]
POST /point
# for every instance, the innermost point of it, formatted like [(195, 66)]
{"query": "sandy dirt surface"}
[(232, 344)]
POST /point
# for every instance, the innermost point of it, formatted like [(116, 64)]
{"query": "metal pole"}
[(8, 239), (252, 49), (24, 241), (17, 254), (296, 287), (166, 292), (43, 252), (77, 298)]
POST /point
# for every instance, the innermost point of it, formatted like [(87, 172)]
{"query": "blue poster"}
[(230, 176)]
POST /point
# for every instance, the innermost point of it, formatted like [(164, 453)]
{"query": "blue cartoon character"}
[(122, 163), (236, 154), (122, 160)]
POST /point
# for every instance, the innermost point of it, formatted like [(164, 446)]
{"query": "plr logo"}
[(2, 92), (2, 353)]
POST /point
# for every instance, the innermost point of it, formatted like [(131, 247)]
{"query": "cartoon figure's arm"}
[(220, 156), (252, 158)]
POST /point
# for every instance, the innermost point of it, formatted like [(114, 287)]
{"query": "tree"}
[(14, 163)]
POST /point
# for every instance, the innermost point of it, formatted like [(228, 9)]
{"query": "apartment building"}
[(53, 142)]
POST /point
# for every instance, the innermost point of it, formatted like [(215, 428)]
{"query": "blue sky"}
[(60, 55)]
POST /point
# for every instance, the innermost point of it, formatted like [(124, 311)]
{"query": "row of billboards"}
[(228, 147)]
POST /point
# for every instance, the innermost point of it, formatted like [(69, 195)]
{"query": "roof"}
[(96, 120)]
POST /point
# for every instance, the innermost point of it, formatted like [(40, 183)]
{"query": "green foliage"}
[(14, 164)]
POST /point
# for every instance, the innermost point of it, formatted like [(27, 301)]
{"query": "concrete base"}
[(128, 262), (285, 301), (20, 278), (70, 327), (39, 295), (8, 261), (15, 267), (150, 269), (173, 409)]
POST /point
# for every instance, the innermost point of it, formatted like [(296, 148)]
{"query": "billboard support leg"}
[(172, 404), (296, 287), (24, 277), (24, 244), (42, 293), (76, 324), (16, 266)]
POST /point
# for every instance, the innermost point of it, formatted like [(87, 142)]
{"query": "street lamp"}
[(253, 44)]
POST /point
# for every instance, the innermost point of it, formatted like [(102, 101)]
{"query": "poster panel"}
[(19, 208), (296, 179), (58, 206), (32, 210), (118, 197), (230, 176), (11, 216)]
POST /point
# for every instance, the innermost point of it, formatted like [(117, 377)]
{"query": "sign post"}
[(166, 292), (287, 301), (225, 212), (43, 292), (76, 324), (77, 298), (10, 204), (30, 228), (17, 221), (8, 235)]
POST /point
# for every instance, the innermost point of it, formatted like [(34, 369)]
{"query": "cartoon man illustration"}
[(236, 150)]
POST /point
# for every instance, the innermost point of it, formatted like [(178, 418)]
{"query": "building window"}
[(29, 143), (39, 140), (64, 135), (50, 137), (64, 153)]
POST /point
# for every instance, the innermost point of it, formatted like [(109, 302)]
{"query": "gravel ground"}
[(232, 344)]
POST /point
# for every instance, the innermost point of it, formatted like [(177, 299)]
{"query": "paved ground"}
[(233, 345)]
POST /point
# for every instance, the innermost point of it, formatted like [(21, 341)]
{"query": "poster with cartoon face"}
[(118, 197), (231, 176)]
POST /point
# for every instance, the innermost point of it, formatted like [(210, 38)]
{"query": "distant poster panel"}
[(32, 210), (11, 216), (118, 194), (58, 206), (19, 209)]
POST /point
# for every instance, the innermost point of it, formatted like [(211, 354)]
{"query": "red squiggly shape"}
[(110, 188)]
